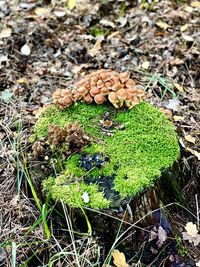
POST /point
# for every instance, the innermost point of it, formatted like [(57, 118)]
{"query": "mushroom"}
[(108, 85), (57, 94), (94, 91), (99, 99), (124, 76), (134, 102), (140, 93), (66, 92), (87, 98), (117, 87), (104, 90), (122, 95), (112, 97), (130, 83), (100, 84), (128, 100), (82, 90)]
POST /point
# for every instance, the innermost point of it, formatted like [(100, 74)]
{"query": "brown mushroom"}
[(112, 97), (122, 95), (117, 86), (57, 94), (82, 90), (94, 91), (124, 76), (104, 90), (99, 99), (130, 83), (108, 85), (100, 84), (134, 102), (87, 98)]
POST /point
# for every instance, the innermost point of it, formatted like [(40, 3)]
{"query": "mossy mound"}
[(114, 167)]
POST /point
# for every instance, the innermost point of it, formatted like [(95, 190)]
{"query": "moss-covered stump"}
[(127, 153)]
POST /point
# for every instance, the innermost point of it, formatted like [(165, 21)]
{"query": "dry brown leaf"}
[(194, 152), (5, 33), (95, 49), (163, 25), (188, 38), (195, 4), (176, 61), (178, 87), (190, 138), (178, 118), (184, 28), (119, 259), (41, 11), (145, 65), (188, 9)]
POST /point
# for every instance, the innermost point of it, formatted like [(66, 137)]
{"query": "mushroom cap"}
[(77, 96), (115, 79), (99, 99), (130, 83), (66, 92), (94, 79), (109, 85), (124, 76), (81, 83), (103, 76), (100, 84), (112, 97), (140, 92), (87, 98), (82, 90), (94, 91), (104, 90), (122, 94), (132, 91), (57, 94), (67, 101), (117, 87)]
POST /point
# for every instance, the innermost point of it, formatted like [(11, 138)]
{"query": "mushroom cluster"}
[(100, 86)]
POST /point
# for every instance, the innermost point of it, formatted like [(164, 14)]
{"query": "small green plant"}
[(95, 31)]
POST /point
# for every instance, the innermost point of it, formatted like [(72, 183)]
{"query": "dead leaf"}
[(188, 38), (71, 4), (184, 28), (194, 152), (176, 61), (41, 11), (95, 49), (178, 87), (163, 25), (22, 80), (178, 118), (106, 22), (119, 259), (195, 4), (191, 229), (5, 33), (173, 104), (25, 50), (145, 65), (190, 138), (188, 9)]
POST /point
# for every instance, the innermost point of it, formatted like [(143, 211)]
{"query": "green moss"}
[(137, 153), (63, 189)]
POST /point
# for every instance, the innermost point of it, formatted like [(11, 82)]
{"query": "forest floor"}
[(45, 46)]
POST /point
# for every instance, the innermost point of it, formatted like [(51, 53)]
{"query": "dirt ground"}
[(45, 46)]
